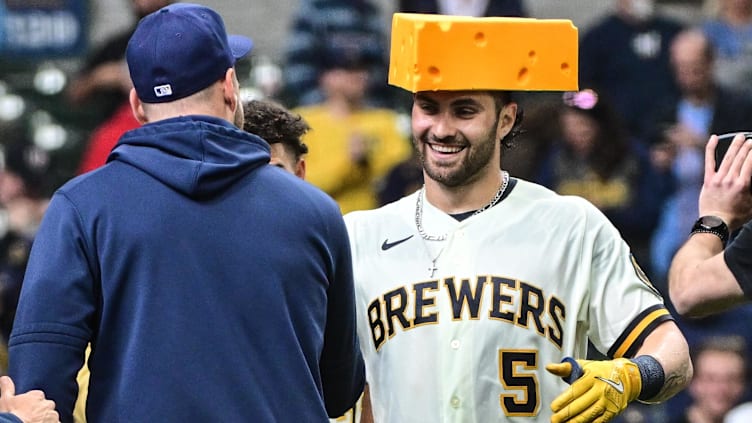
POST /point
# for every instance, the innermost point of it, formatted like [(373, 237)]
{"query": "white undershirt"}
[(463, 7)]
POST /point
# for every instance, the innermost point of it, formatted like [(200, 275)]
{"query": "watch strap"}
[(720, 230)]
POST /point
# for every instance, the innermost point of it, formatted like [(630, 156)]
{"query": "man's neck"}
[(465, 198)]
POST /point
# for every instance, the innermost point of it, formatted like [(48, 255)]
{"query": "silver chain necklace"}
[(419, 209)]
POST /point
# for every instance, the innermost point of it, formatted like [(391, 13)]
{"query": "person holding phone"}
[(706, 275)]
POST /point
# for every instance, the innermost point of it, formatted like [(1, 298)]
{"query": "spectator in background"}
[(685, 124), (594, 158), (104, 78), (352, 146), (103, 84), (283, 131), (346, 24), (403, 179), (719, 382), (105, 136), (23, 201), (729, 30), (475, 8), (626, 56), (707, 275)]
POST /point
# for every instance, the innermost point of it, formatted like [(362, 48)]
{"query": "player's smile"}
[(445, 155), (444, 148)]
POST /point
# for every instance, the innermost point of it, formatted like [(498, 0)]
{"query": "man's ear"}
[(137, 107), (300, 169), (230, 87), (507, 118)]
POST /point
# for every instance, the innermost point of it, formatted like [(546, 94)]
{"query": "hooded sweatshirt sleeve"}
[(9, 418), (341, 365), (55, 310)]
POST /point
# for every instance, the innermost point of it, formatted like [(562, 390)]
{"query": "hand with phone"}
[(724, 141), (727, 186)]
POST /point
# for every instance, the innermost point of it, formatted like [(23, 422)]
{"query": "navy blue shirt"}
[(738, 257), (212, 287)]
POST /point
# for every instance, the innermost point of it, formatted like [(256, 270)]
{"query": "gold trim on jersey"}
[(631, 339), (518, 375)]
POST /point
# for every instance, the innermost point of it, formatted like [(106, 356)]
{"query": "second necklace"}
[(419, 208)]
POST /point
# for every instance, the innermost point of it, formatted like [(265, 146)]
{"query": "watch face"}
[(712, 221)]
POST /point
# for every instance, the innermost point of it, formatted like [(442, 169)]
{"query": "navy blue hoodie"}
[(213, 288)]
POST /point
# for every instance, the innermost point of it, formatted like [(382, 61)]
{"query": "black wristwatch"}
[(712, 225)]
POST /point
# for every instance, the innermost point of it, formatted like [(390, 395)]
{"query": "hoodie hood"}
[(199, 156)]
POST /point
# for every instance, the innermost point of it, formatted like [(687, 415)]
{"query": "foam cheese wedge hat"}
[(432, 52)]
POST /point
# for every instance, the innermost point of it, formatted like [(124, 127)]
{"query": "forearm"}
[(700, 283), (686, 268), (667, 345), (602, 389)]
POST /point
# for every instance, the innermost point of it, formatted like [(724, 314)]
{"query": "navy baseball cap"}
[(179, 50)]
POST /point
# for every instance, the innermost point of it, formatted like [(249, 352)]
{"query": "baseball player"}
[(471, 291), (282, 129)]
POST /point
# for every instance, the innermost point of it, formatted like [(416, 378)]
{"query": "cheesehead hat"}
[(432, 52)]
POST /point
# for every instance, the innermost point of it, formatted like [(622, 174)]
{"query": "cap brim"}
[(239, 45)]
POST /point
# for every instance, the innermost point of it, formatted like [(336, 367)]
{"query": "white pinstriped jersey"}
[(517, 286)]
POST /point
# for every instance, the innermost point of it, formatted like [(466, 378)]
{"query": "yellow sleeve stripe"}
[(631, 339)]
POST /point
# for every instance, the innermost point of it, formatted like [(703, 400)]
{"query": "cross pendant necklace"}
[(428, 237), (433, 267)]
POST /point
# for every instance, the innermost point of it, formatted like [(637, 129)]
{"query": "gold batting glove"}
[(599, 391)]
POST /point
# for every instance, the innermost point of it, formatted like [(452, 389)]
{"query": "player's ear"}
[(300, 169), (507, 117)]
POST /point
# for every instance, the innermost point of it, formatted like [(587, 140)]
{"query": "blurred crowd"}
[(652, 89)]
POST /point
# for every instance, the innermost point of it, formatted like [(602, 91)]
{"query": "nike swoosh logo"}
[(387, 245), (618, 386)]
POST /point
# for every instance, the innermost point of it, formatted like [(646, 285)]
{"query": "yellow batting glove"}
[(601, 391)]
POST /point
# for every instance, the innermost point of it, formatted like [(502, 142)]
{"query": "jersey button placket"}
[(455, 402), (459, 252)]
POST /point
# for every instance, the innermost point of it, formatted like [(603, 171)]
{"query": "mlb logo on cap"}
[(163, 90)]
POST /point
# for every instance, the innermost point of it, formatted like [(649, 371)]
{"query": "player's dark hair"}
[(501, 99), (276, 124)]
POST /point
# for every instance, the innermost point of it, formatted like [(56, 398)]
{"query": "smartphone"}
[(724, 141)]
